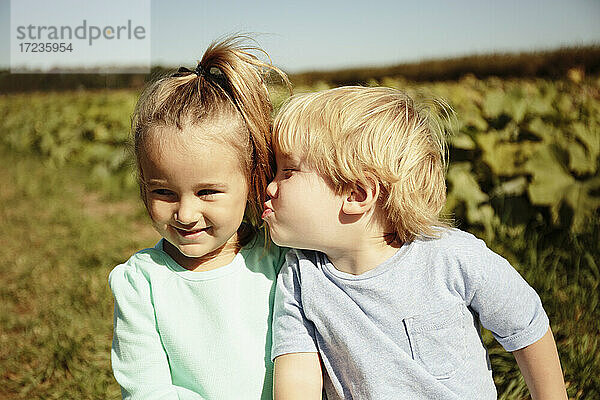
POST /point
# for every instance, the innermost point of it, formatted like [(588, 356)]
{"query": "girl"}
[(193, 314)]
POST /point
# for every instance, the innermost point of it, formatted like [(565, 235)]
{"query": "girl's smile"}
[(190, 234)]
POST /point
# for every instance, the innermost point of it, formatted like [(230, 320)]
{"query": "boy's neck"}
[(362, 255)]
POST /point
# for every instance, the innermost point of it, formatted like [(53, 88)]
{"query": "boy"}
[(386, 297)]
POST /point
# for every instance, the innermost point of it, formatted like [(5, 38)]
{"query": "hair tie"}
[(199, 70), (183, 71)]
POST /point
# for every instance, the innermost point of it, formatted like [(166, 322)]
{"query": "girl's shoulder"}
[(139, 267), (261, 253)]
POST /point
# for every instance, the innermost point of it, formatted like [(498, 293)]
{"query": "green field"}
[(523, 176)]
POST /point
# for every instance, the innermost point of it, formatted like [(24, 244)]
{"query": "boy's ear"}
[(361, 197)]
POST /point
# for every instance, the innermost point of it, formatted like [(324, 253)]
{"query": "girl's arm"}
[(139, 362), (297, 376), (540, 366)]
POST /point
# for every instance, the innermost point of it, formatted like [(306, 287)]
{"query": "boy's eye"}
[(287, 172)]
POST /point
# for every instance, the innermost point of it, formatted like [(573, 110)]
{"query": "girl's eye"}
[(206, 192), (162, 192)]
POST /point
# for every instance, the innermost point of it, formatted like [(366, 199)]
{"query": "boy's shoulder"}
[(458, 254), (450, 242), (300, 262)]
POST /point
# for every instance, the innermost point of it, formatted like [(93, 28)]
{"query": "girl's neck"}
[(219, 257)]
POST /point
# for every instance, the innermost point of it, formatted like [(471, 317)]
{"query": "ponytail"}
[(244, 76)]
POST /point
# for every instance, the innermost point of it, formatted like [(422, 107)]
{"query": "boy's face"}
[(303, 210)]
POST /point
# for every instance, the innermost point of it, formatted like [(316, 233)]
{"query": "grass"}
[(60, 241), (564, 271), (61, 238)]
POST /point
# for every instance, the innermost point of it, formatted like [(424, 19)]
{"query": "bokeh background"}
[(522, 76)]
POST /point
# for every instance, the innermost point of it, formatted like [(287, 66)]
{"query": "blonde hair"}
[(229, 82), (353, 134)]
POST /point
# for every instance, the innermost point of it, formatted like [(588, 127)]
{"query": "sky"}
[(320, 35)]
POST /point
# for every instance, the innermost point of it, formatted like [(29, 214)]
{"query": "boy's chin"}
[(291, 241), (278, 240), (293, 244)]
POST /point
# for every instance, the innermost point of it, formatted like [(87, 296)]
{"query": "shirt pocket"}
[(437, 340)]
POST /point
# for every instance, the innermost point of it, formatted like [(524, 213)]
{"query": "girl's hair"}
[(354, 134), (229, 82)]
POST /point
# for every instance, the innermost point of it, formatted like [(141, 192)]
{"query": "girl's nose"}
[(188, 212), (272, 189)]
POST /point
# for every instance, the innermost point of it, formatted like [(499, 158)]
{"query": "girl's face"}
[(196, 195)]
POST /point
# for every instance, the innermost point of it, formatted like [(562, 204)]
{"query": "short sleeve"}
[(139, 362), (506, 304), (292, 331)]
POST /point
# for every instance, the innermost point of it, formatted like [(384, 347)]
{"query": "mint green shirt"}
[(181, 334)]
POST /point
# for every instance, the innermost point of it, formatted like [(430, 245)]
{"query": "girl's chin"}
[(188, 250), (193, 250)]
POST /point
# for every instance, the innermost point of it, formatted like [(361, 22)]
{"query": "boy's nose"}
[(272, 189)]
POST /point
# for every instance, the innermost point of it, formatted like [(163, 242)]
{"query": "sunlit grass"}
[(58, 245), (564, 271)]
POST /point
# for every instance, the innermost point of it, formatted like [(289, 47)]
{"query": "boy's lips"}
[(268, 211)]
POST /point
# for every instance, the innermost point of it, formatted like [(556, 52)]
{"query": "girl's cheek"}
[(157, 209)]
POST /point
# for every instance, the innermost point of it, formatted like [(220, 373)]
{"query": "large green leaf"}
[(555, 187), (462, 141), (584, 200), (542, 130), (465, 192), (506, 159), (550, 177), (493, 104), (472, 118), (584, 152)]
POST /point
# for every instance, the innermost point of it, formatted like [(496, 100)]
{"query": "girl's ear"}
[(360, 197)]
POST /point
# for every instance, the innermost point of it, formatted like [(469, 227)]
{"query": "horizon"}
[(362, 67)]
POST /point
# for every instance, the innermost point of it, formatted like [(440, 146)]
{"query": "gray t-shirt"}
[(409, 328)]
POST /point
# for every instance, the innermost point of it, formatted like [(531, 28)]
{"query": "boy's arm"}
[(297, 370), (297, 376), (511, 309), (540, 366)]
